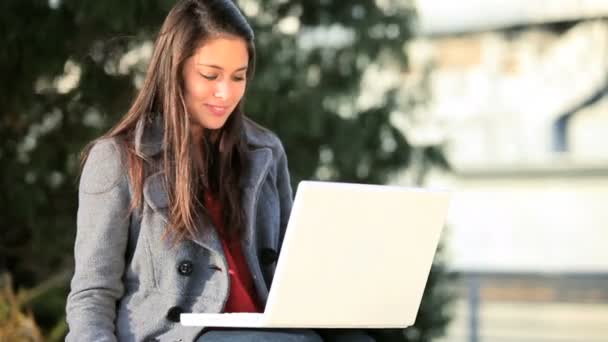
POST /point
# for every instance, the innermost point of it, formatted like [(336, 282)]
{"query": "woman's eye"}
[(238, 78), (209, 77)]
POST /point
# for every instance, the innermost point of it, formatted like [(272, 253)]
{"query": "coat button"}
[(185, 268), (268, 256), (173, 314)]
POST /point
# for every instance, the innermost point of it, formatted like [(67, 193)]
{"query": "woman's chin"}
[(212, 123)]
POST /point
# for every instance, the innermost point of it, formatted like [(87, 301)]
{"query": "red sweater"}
[(242, 296)]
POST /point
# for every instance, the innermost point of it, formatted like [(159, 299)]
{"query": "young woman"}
[(184, 203)]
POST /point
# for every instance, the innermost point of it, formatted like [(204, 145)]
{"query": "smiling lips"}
[(217, 110)]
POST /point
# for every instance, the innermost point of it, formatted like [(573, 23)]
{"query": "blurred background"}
[(517, 98), (502, 102)]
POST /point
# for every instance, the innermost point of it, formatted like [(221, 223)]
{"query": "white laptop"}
[(353, 256)]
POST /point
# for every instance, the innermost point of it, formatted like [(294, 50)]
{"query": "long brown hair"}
[(188, 24)]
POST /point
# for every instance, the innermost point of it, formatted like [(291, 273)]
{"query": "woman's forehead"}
[(225, 52)]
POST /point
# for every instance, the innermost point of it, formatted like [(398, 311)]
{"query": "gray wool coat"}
[(130, 285)]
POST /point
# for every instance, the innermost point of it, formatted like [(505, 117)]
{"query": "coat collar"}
[(149, 143), (149, 135)]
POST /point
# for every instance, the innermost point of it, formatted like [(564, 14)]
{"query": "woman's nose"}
[(222, 91)]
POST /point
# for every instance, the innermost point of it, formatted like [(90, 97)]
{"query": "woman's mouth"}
[(217, 110)]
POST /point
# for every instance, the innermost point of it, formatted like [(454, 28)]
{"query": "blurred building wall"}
[(521, 104), (523, 115), (438, 17)]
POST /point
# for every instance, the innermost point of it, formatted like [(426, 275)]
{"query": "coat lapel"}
[(259, 165), (156, 196)]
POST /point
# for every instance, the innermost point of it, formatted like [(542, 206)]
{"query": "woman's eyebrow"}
[(220, 68)]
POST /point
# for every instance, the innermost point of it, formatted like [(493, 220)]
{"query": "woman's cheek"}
[(241, 90)]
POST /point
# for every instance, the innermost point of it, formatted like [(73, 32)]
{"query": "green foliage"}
[(307, 86)]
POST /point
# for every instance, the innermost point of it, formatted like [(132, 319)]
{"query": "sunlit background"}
[(518, 97)]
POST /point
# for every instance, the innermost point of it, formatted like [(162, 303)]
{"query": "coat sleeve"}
[(99, 250)]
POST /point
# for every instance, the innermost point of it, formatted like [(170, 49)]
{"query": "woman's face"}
[(214, 81)]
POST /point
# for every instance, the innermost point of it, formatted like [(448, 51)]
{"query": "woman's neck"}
[(199, 134)]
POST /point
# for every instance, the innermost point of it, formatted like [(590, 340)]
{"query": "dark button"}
[(185, 268), (268, 256), (173, 314)]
